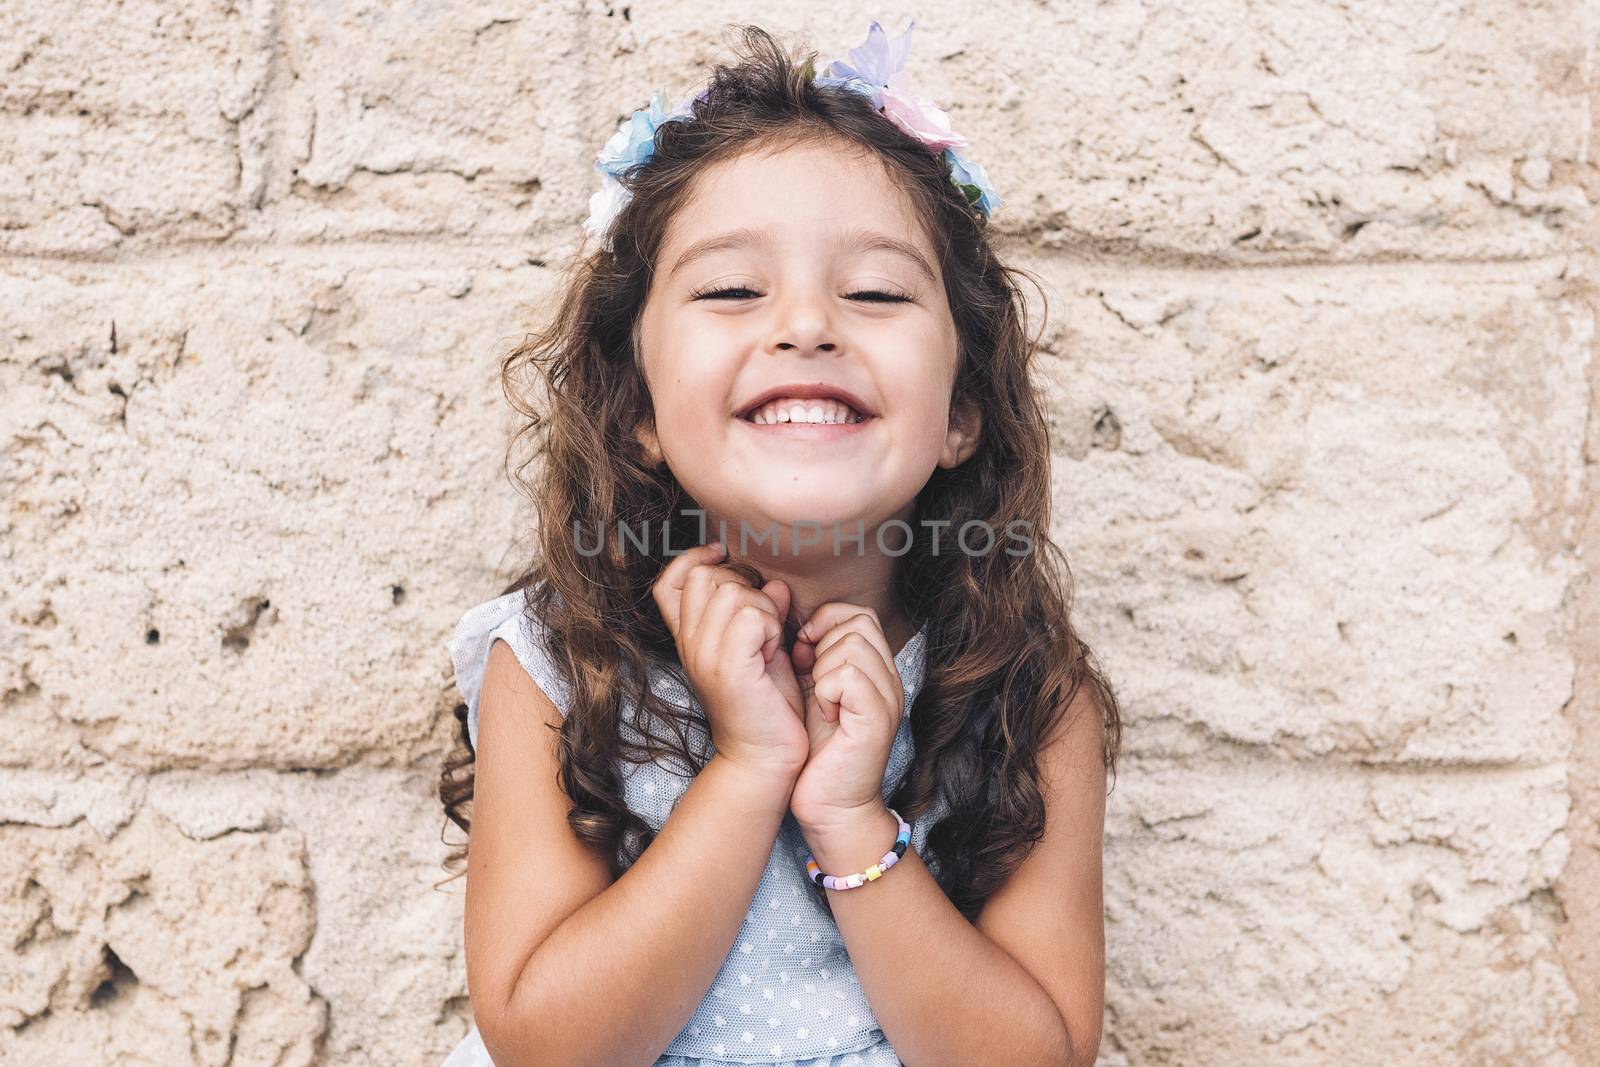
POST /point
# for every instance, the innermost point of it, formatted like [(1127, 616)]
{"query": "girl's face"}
[(803, 266)]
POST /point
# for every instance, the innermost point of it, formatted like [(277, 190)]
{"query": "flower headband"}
[(875, 71)]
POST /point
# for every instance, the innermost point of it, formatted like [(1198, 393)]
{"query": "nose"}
[(801, 320)]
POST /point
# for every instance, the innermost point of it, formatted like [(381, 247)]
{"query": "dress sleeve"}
[(504, 618)]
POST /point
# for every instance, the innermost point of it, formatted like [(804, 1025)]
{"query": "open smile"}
[(808, 431)]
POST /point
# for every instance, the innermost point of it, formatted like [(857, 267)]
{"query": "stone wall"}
[(1320, 363)]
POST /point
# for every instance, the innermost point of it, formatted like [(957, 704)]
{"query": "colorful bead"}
[(902, 842)]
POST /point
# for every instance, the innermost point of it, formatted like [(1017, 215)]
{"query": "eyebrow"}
[(855, 240)]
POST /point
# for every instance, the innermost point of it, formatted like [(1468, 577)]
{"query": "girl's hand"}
[(852, 711), (730, 640)]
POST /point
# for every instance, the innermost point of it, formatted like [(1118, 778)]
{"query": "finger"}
[(733, 608), (803, 655), (821, 714), (835, 619), (849, 698), (703, 580), (751, 627), (668, 587), (777, 591), (855, 650)]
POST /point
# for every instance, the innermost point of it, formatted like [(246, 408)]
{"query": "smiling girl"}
[(833, 793)]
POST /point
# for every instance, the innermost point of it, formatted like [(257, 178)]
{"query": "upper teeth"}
[(794, 409)]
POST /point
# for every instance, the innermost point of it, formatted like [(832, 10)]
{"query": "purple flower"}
[(874, 60)]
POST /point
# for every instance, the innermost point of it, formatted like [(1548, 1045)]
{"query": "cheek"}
[(929, 433), (688, 395), (924, 363)]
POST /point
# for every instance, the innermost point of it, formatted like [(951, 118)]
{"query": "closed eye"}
[(872, 296)]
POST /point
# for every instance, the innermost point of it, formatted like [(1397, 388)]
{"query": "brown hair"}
[(1002, 660)]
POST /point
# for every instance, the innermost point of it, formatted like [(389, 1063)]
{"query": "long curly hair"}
[(1002, 660)]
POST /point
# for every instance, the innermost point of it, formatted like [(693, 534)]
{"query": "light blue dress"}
[(787, 994)]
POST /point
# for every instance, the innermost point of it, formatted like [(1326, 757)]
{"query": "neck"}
[(817, 576), (851, 581)]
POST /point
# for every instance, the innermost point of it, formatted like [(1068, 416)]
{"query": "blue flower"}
[(632, 144), (971, 180), (635, 139)]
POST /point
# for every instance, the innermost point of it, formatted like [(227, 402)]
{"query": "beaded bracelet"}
[(828, 881)]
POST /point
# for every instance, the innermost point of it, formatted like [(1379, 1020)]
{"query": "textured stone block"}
[(424, 118), (222, 914), (152, 946), (1318, 914), (223, 483), (126, 119), (1244, 132), (1333, 515)]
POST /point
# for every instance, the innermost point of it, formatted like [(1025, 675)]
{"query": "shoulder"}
[(503, 618)]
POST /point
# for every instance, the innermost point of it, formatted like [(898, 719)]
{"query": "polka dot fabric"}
[(471, 1053), (787, 993)]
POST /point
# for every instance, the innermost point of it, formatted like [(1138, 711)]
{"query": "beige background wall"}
[(1321, 361)]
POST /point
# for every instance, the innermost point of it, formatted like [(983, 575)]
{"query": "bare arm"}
[(1026, 982), (565, 966)]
